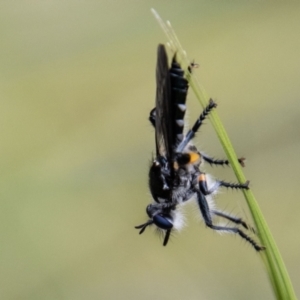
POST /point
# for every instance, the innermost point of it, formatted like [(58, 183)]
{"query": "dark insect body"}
[(175, 175)]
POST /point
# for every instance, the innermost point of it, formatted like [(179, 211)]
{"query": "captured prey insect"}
[(175, 176)]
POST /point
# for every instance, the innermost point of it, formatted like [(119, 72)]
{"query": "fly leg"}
[(204, 189), (222, 162), (206, 213), (191, 133), (233, 219)]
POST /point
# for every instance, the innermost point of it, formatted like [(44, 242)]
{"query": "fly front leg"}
[(191, 133)]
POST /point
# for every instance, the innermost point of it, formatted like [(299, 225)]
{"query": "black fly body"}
[(175, 175)]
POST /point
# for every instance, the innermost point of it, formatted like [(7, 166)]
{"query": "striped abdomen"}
[(179, 86)]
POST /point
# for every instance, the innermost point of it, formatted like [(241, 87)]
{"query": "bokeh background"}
[(77, 84)]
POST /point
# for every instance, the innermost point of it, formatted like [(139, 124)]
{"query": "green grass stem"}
[(271, 257)]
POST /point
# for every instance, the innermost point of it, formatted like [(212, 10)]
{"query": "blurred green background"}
[(77, 84)]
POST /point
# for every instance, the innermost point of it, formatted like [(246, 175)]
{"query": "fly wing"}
[(164, 109)]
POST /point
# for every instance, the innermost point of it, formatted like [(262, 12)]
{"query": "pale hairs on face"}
[(178, 218)]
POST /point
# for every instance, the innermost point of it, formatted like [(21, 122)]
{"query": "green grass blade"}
[(271, 257)]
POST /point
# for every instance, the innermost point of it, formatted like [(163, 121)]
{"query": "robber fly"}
[(175, 175)]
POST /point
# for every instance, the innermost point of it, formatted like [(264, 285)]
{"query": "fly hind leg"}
[(206, 213), (236, 220), (241, 233)]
